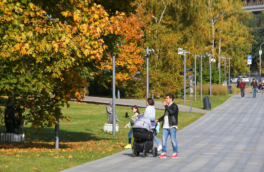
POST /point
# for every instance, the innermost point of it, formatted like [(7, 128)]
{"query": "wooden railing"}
[(253, 3)]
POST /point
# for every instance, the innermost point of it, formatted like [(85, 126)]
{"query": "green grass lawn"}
[(81, 140), (215, 100)]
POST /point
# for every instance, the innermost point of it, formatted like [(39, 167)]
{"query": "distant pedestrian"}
[(238, 82), (254, 86), (169, 125), (242, 85), (262, 87)]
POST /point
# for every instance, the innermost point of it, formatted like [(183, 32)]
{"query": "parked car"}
[(245, 78), (234, 79)]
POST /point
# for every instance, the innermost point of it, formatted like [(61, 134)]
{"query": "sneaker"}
[(159, 148), (174, 155), (163, 155), (128, 146)]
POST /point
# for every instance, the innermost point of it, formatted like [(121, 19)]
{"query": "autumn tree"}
[(230, 37), (197, 26), (47, 60), (126, 43)]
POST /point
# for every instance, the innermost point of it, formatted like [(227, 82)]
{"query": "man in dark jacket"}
[(242, 85), (254, 86), (169, 125)]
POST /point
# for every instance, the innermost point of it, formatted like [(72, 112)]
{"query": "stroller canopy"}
[(143, 123)]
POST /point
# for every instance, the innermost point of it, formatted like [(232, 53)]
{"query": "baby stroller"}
[(143, 137)]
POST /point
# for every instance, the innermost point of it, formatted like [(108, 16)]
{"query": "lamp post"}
[(113, 96), (210, 61), (220, 57), (229, 70), (260, 52), (201, 76), (148, 55), (219, 67), (210, 75), (183, 52), (225, 68), (195, 76)]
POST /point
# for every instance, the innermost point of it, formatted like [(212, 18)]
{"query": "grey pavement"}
[(139, 103), (229, 138)]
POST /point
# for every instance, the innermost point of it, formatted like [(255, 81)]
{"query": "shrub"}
[(217, 90)]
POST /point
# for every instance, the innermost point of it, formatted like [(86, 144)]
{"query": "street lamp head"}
[(213, 60), (180, 51), (148, 50)]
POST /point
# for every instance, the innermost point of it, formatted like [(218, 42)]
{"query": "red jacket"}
[(242, 85)]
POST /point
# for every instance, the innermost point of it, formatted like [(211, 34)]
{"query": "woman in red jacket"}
[(242, 85)]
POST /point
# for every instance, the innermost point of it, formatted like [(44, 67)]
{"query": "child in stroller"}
[(143, 137)]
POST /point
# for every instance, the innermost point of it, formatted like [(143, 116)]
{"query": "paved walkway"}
[(139, 103), (228, 138)]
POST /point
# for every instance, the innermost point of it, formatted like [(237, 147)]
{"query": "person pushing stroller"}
[(143, 134)]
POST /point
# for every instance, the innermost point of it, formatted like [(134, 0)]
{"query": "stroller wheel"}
[(144, 152), (135, 152), (154, 151)]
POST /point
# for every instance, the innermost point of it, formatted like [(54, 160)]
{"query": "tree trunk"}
[(220, 42)]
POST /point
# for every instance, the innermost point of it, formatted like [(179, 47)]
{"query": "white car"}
[(234, 79), (245, 78)]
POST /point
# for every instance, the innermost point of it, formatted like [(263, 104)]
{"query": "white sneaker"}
[(159, 148)]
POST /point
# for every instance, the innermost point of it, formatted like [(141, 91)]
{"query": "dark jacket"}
[(242, 85), (254, 84), (173, 114), (260, 87)]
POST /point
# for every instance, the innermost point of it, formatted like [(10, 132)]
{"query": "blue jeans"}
[(131, 132), (157, 140), (165, 133), (242, 92), (254, 90)]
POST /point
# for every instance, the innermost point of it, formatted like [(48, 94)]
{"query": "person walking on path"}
[(170, 125), (254, 86), (151, 113), (242, 85)]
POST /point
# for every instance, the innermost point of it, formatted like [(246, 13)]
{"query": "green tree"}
[(258, 34)]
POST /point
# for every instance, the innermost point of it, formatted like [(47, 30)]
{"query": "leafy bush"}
[(217, 90)]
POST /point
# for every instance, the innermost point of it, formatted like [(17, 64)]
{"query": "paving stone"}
[(228, 138)]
